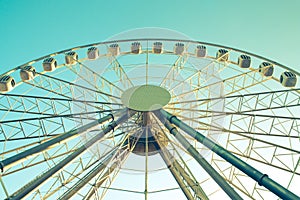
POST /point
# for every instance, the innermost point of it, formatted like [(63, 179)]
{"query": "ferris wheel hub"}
[(145, 98), (155, 140)]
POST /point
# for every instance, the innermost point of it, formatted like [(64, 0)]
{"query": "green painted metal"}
[(260, 178), (200, 159), (145, 98)]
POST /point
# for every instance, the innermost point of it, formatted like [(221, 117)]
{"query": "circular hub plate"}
[(145, 98)]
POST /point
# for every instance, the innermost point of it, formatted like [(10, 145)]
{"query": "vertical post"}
[(146, 159), (261, 178)]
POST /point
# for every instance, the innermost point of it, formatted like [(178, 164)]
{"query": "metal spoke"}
[(262, 179), (173, 66), (59, 116), (117, 66), (97, 169), (80, 86), (122, 154), (193, 152), (230, 80), (98, 75), (199, 72), (59, 99), (51, 143), (220, 113), (238, 96), (65, 131), (178, 171), (147, 62), (39, 180), (248, 135)]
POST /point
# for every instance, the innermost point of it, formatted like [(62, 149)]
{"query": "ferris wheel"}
[(150, 118)]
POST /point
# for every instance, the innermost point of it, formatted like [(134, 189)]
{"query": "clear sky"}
[(33, 28)]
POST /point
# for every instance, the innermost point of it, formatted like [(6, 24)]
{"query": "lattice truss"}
[(66, 133)]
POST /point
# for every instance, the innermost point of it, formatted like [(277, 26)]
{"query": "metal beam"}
[(38, 181), (122, 156), (260, 178), (199, 192), (198, 157), (83, 181), (179, 180), (13, 160), (3, 186), (183, 169), (178, 173)]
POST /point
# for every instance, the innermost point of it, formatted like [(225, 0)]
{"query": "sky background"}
[(30, 29), (33, 28)]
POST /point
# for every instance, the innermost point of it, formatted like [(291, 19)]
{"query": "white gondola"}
[(7, 83), (71, 58), (178, 48), (27, 73), (288, 79), (201, 51), (136, 48), (222, 55), (114, 49), (157, 47), (244, 61), (93, 53), (49, 64), (266, 69)]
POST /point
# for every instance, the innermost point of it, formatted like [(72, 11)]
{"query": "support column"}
[(83, 181), (107, 174), (197, 156), (184, 172), (178, 173), (146, 119), (180, 182), (13, 160), (38, 181), (199, 192), (259, 177)]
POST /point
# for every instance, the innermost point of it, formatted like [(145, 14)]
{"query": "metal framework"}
[(228, 131)]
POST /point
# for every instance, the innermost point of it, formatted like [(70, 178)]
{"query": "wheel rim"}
[(251, 115)]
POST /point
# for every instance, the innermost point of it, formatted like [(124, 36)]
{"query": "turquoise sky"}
[(33, 28)]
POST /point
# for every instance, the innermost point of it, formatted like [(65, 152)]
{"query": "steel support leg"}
[(197, 156), (199, 192), (83, 181), (8, 162), (107, 174), (180, 182), (181, 175), (38, 181), (261, 178)]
